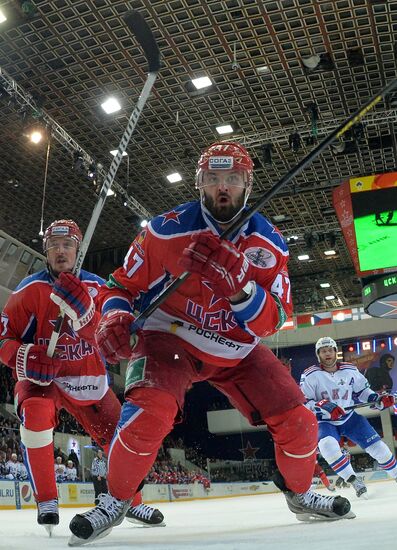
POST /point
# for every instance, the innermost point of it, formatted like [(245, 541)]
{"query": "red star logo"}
[(67, 329), (172, 216), (249, 452), (214, 299), (389, 303)]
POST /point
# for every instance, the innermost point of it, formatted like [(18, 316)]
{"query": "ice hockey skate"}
[(359, 487), (145, 516), (98, 522), (48, 515), (311, 506)]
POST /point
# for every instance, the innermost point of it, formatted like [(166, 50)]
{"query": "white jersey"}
[(341, 387)]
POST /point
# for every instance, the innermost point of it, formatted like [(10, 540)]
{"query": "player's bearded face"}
[(61, 254), (224, 193), (327, 356)]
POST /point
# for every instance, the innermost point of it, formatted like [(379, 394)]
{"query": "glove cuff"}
[(86, 318), (21, 359)]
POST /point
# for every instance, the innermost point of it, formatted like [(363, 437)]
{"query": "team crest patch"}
[(135, 372), (261, 257)]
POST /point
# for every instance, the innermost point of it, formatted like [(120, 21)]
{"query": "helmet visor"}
[(219, 176)]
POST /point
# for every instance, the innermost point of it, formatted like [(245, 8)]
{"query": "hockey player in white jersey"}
[(329, 388)]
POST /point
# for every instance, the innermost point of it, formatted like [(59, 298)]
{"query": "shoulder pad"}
[(40, 277), (263, 228), (184, 219)]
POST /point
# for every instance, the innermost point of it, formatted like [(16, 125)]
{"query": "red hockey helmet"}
[(225, 155), (62, 228)]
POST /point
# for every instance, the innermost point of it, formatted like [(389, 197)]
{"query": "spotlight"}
[(36, 136), (266, 151), (78, 164), (92, 171), (318, 63), (295, 142)]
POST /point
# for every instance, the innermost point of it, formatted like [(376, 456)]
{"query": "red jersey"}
[(29, 317), (214, 330)]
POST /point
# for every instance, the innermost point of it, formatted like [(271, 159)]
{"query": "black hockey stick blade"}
[(138, 26)]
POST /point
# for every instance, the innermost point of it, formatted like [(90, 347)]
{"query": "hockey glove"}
[(114, 337), (381, 401), (33, 363), (72, 296), (219, 262), (326, 410)]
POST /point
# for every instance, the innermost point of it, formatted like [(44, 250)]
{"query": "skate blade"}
[(142, 524), (76, 541), (363, 496), (312, 518), (49, 528)]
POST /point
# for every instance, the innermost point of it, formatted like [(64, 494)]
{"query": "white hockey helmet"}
[(325, 342)]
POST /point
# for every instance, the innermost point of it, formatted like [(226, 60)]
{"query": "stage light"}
[(3, 18), (350, 348), (174, 177), (111, 105), (201, 82), (143, 223), (36, 136), (224, 129), (325, 285), (303, 257)]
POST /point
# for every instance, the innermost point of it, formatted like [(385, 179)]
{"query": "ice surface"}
[(240, 523)]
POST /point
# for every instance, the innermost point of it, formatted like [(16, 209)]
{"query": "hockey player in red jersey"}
[(208, 329), (74, 379)]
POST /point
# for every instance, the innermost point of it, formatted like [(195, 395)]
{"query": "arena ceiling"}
[(69, 55)]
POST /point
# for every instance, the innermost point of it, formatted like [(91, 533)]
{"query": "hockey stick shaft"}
[(360, 405), (139, 27), (247, 214)]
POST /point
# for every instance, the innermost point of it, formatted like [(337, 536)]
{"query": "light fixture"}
[(224, 129), (302, 257), (79, 165), (340, 316), (143, 223), (329, 252), (294, 141), (174, 177), (292, 238), (3, 18), (110, 193), (330, 297), (36, 136), (318, 63), (266, 151), (115, 151), (325, 285), (111, 105), (263, 69), (201, 82)]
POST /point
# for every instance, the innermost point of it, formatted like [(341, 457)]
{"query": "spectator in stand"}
[(99, 471), (59, 468), (379, 377), (70, 471), (75, 459), (12, 467)]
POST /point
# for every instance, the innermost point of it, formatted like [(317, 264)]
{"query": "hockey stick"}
[(138, 26), (247, 214), (360, 405)]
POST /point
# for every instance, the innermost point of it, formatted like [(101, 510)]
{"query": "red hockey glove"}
[(219, 262), (326, 410), (114, 337), (33, 363), (381, 401), (72, 296)]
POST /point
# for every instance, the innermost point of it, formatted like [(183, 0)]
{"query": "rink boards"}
[(19, 494)]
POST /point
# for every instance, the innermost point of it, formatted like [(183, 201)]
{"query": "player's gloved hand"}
[(72, 296), (113, 335), (33, 363), (326, 410), (381, 401), (219, 262)]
